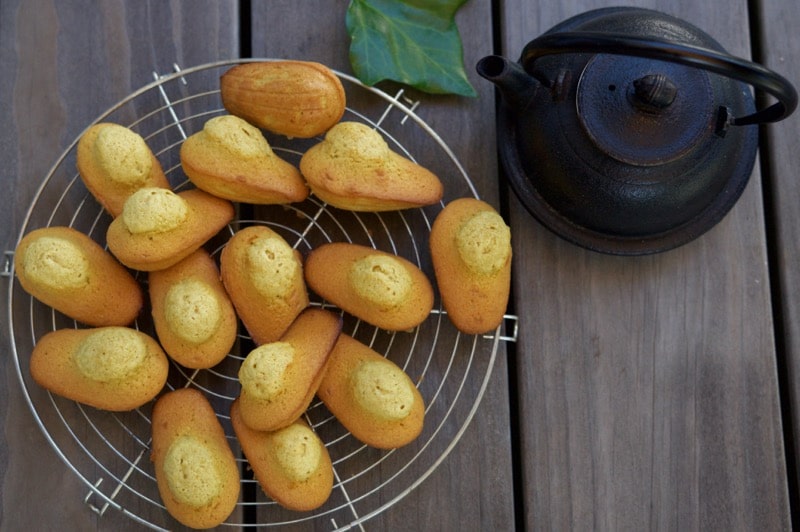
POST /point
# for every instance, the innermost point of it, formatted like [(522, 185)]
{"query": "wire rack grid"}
[(109, 452)]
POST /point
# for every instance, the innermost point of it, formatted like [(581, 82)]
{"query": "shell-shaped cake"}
[(353, 168), (264, 279), (371, 396), (114, 162), (194, 318), (231, 159), (158, 228), (110, 368), (292, 464), (196, 472), (471, 252), (67, 270), (280, 378), (381, 288)]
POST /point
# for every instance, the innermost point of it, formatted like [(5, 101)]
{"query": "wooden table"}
[(657, 392)]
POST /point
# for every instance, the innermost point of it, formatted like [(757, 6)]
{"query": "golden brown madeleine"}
[(263, 276), (293, 98), (114, 162), (471, 252), (111, 368), (196, 472), (353, 168), (231, 159), (279, 379), (158, 228), (194, 318), (67, 270), (380, 288), (292, 464), (371, 396)]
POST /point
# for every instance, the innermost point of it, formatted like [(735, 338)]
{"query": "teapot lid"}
[(624, 142)]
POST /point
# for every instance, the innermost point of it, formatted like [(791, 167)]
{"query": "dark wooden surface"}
[(782, 196), (642, 393)]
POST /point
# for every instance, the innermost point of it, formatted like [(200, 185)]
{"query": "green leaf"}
[(415, 42)]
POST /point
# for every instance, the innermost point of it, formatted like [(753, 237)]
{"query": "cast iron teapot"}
[(629, 131)]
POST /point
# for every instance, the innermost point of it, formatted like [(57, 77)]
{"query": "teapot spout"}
[(515, 84)]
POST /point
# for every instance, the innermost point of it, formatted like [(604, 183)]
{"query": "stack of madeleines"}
[(260, 282)]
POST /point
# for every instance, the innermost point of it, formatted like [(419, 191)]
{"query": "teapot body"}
[(625, 154)]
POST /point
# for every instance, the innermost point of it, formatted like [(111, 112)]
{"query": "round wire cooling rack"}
[(109, 452)]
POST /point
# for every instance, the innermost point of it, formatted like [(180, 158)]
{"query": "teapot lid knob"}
[(654, 92)]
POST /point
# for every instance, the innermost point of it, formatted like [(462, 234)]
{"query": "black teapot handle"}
[(720, 63)]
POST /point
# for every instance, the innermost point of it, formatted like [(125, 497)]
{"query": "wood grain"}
[(779, 40), (649, 387), (65, 63)]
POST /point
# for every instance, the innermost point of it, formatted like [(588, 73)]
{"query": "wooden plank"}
[(472, 488), (65, 63), (780, 45), (649, 388)]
